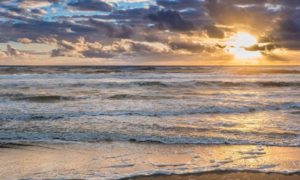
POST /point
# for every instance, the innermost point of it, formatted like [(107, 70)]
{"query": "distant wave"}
[(223, 84), (258, 83), (55, 70), (151, 83), (137, 97), (161, 84), (192, 84), (99, 69), (187, 84), (109, 136), (45, 98), (37, 98), (218, 83), (267, 71), (6, 70), (182, 112)]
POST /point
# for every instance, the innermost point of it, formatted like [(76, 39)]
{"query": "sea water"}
[(257, 106)]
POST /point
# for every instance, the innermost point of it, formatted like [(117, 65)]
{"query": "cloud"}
[(179, 4), (82, 48), (91, 5), (112, 28), (171, 20), (34, 29), (24, 40), (3, 54), (287, 32), (215, 32), (262, 47), (10, 51), (189, 47), (34, 3)]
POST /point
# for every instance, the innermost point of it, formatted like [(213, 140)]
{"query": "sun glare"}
[(237, 44)]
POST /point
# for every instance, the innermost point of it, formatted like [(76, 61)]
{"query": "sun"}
[(237, 45)]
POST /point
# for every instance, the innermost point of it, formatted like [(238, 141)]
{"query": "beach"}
[(149, 122), (118, 160), (149, 89), (227, 176)]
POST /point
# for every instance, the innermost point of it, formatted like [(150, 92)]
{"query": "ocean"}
[(145, 107)]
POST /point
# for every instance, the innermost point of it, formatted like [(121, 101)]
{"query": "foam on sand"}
[(224, 176), (114, 160)]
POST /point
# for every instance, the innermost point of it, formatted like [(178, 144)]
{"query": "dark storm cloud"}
[(171, 20), (180, 4), (97, 54), (112, 30), (135, 15), (190, 47), (287, 33), (293, 3), (13, 9), (54, 1), (91, 5), (227, 13), (35, 29), (290, 25)]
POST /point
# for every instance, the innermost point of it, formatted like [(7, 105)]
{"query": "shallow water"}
[(170, 105), (199, 105)]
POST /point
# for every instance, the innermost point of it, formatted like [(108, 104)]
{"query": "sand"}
[(225, 176), (116, 160)]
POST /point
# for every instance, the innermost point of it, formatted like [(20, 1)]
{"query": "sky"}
[(149, 32)]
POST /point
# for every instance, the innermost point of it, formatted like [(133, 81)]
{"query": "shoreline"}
[(129, 160), (224, 175)]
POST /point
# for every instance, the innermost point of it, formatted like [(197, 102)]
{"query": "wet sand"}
[(117, 160), (224, 176)]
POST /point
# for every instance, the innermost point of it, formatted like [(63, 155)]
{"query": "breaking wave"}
[(219, 84), (108, 136), (157, 113), (192, 84), (37, 98), (5, 70)]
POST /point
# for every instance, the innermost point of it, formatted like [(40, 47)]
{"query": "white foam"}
[(113, 160)]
